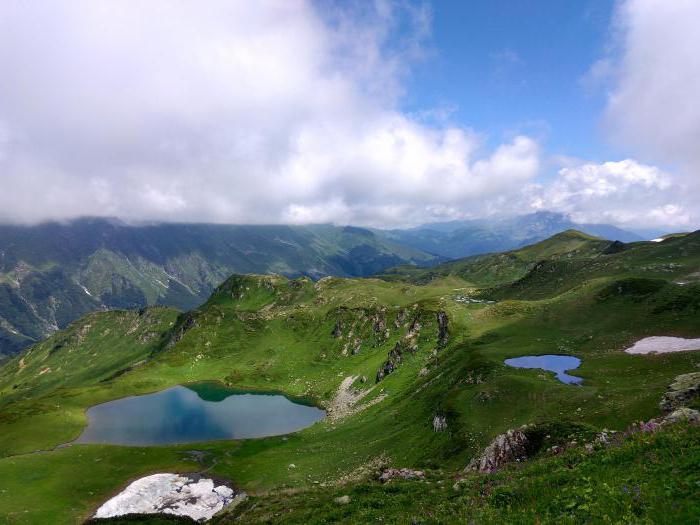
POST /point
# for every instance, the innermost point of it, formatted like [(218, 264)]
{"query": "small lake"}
[(559, 364), (199, 412)]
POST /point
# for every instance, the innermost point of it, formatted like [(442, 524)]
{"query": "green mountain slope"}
[(51, 274), (645, 267), (406, 353), (489, 269), (564, 261), (632, 483)]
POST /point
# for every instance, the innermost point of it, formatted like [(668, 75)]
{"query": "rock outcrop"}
[(439, 423), (400, 318), (401, 473), (337, 329), (681, 415), (185, 322), (506, 448), (684, 389), (409, 342), (394, 359), (379, 322), (443, 332)]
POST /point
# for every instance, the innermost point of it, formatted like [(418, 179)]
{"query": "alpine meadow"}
[(317, 261)]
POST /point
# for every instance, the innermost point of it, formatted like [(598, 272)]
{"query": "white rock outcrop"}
[(181, 495)]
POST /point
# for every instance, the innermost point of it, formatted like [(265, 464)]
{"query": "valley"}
[(53, 273), (411, 367)]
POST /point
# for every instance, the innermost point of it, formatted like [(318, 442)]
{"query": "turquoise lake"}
[(200, 412)]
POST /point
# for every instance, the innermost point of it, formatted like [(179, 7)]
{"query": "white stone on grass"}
[(663, 345), (168, 493)]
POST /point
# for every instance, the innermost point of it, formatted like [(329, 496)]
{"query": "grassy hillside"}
[(570, 258), (632, 483), (305, 338), (51, 274), (498, 268)]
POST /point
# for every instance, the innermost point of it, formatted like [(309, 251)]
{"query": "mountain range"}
[(53, 273), (456, 239)]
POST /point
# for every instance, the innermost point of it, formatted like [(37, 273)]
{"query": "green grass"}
[(267, 333), (648, 479), (66, 486)]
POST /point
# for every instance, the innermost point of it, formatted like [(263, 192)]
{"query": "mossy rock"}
[(684, 391)]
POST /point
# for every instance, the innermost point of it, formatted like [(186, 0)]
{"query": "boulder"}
[(342, 500), (683, 414)]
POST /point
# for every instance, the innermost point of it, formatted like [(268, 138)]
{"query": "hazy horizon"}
[(649, 233)]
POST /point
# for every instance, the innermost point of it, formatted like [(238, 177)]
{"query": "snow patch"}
[(663, 345), (167, 493)]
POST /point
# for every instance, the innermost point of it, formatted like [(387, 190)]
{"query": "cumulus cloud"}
[(265, 111), (653, 105), (651, 74), (626, 193), (290, 111)]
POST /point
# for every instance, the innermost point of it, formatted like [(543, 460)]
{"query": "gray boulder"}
[(680, 415)]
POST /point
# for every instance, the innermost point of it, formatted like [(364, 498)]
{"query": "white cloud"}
[(655, 71), (626, 193), (652, 76), (262, 111), (282, 111)]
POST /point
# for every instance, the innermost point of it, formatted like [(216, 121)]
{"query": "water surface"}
[(559, 364), (201, 412)]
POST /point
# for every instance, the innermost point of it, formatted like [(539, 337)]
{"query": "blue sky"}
[(384, 113), (517, 66)]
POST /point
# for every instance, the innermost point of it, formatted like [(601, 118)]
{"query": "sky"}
[(385, 113)]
